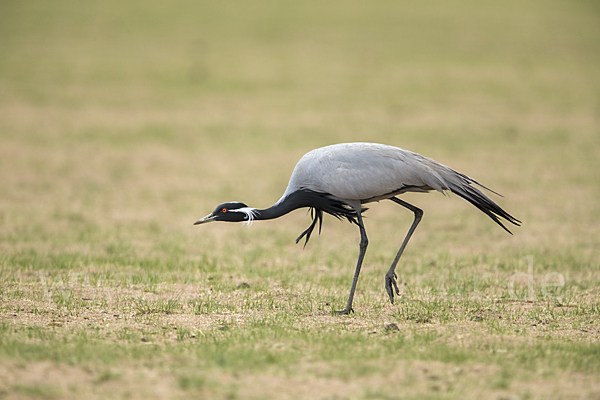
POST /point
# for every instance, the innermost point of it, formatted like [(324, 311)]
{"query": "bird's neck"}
[(308, 198), (285, 205)]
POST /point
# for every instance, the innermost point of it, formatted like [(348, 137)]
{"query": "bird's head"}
[(229, 212)]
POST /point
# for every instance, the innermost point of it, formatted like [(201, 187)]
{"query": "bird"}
[(339, 179)]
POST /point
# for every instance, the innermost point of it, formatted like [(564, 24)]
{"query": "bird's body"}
[(338, 179), (365, 172)]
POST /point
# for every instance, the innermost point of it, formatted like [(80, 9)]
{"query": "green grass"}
[(121, 124)]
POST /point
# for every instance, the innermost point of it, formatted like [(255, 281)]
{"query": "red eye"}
[(224, 210)]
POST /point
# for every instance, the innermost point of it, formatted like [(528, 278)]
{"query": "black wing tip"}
[(504, 227), (485, 204), (493, 214)]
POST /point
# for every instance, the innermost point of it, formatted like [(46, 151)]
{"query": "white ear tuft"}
[(250, 214)]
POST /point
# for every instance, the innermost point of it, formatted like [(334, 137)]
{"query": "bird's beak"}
[(209, 218)]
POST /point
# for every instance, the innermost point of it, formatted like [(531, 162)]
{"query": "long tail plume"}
[(462, 185)]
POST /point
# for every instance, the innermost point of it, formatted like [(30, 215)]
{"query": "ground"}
[(122, 124)]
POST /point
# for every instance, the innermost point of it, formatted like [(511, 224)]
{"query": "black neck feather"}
[(318, 202)]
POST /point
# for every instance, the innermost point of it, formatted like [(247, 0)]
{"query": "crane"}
[(340, 178)]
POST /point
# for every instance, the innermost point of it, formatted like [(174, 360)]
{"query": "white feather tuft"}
[(250, 214)]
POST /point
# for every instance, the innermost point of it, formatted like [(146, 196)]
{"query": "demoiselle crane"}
[(340, 178)]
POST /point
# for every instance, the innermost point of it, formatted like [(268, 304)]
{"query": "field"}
[(122, 123)]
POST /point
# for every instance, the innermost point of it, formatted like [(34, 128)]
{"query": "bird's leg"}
[(364, 241), (390, 276)]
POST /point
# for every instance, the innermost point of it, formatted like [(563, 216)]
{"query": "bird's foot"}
[(390, 280), (345, 311)]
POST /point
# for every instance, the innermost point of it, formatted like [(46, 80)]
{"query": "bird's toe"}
[(391, 286), (345, 311), (388, 287), (396, 287)]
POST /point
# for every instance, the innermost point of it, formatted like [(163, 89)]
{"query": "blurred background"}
[(121, 123)]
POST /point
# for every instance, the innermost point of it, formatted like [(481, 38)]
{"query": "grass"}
[(121, 124)]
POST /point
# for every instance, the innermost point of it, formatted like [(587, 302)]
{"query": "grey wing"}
[(364, 171)]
